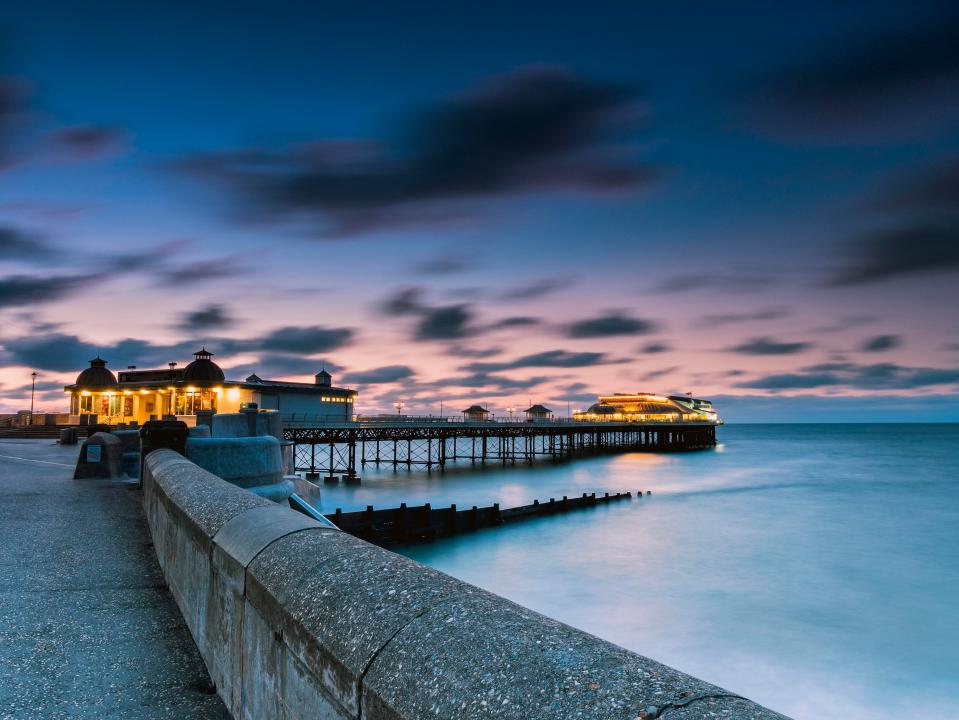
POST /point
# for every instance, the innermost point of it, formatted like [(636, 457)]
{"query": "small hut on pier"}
[(538, 413), (476, 413)]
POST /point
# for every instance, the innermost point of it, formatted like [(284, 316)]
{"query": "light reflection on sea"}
[(812, 568)]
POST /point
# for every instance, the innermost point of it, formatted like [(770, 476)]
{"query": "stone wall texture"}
[(296, 620)]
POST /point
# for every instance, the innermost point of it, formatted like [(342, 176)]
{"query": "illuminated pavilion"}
[(141, 395), (646, 407)]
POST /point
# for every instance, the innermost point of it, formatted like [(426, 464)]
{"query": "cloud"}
[(547, 358), (207, 318), (303, 340), (495, 383), (931, 188), (733, 318), (270, 365), (83, 142), (877, 88), (20, 290), (444, 323), (661, 372), (609, 325), (904, 251), (878, 376), (16, 244), (65, 353), (200, 271), (655, 347), (444, 265), (534, 128), (538, 288), (881, 343), (284, 349), (434, 322), (846, 322), (469, 352), (768, 346), (380, 375), (515, 321)]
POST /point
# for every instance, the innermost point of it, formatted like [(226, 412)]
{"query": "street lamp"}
[(511, 410), (33, 390), (399, 406)]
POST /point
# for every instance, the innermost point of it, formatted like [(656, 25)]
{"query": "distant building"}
[(538, 413), (476, 413), (646, 407), (141, 395)]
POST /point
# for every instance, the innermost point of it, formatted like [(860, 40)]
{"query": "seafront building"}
[(646, 407), (140, 395)]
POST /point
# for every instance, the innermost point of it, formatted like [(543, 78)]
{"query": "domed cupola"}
[(203, 371), (97, 375)]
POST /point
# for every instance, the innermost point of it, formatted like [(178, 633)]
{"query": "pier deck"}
[(342, 448), (87, 628)]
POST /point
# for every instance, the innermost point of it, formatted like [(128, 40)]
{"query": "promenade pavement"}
[(87, 626)]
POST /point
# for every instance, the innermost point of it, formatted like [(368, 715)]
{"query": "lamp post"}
[(510, 410), (33, 390), (399, 406)]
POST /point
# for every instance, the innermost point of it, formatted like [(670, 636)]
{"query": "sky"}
[(495, 202)]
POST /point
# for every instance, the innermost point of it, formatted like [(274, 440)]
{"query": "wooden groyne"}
[(418, 523)]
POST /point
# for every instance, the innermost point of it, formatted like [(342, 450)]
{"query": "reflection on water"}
[(812, 568)]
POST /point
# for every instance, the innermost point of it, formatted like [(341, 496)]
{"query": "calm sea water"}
[(812, 568)]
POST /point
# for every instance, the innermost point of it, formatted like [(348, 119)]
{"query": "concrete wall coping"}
[(246, 534), (294, 619)]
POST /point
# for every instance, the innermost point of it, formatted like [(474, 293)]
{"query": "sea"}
[(811, 568)]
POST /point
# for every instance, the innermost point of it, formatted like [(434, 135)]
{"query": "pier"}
[(339, 449)]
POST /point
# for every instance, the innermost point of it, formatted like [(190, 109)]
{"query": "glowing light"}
[(144, 392), (233, 393), (85, 393), (191, 389), (127, 392)]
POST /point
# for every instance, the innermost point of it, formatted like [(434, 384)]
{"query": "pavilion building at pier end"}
[(139, 395), (647, 407)]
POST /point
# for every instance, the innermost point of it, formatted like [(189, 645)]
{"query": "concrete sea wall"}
[(296, 620)]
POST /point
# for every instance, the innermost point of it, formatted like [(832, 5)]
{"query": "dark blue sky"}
[(758, 192)]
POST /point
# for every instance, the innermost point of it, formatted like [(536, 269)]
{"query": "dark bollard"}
[(331, 480), (649, 492), (158, 434)]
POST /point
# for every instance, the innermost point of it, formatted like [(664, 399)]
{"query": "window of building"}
[(187, 403)]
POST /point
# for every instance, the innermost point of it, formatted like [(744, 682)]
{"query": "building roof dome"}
[(97, 375), (600, 409), (203, 370)]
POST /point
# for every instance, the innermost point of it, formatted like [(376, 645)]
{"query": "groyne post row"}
[(341, 449), (414, 523), (296, 620)]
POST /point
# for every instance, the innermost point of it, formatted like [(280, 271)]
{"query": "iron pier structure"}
[(339, 449)]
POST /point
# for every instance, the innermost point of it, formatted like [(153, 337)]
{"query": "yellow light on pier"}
[(233, 393), (85, 393)]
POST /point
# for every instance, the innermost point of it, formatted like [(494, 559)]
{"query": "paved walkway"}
[(87, 627)]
